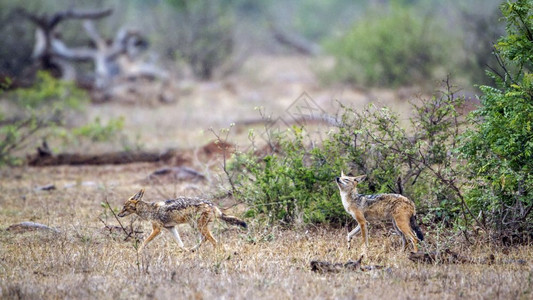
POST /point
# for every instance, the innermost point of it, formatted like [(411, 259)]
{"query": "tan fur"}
[(168, 214), (362, 208)]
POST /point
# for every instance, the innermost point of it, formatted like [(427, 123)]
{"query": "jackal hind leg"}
[(400, 233), (203, 227), (402, 221), (156, 230), (176, 235), (352, 233)]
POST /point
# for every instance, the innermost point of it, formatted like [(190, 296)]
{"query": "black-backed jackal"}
[(168, 214), (395, 207)]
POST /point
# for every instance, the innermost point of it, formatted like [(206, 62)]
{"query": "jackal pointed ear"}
[(342, 173), (138, 196), (360, 178)]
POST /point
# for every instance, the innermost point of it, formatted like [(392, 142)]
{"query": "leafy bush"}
[(97, 131), (294, 185), (34, 111), (49, 109), (295, 182), (499, 147), (96, 135), (395, 48)]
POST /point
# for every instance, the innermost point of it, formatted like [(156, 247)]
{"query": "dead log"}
[(49, 50), (293, 40), (120, 58), (116, 62), (110, 158), (173, 174), (45, 157)]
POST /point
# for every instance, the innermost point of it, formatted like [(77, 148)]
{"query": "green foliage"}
[(17, 40), (317, 19), (50, 110), (34, 111), (395, 47), (499, 148), (295, 182), (98, 132), (50, 94), (204, 35)]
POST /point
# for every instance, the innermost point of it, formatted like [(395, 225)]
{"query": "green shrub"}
[(499, 147), (36, 110), (50, 109), (294, 185), (395, 47), (295, 182), (95, 135), (98, 132)]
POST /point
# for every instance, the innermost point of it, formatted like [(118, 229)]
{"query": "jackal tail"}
[(230, 219), (415, 228)]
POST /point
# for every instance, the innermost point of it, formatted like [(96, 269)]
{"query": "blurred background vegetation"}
[(378, 43), (462, 169)]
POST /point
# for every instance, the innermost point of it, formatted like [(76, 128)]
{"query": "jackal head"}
[(130, 206), (348, 183)]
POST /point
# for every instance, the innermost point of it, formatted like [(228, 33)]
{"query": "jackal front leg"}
[(156, 230), (360, 218)]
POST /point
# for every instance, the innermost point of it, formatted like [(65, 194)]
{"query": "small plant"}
[(94, 134), (98, 132)]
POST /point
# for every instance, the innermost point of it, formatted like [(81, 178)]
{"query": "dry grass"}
[(84, 262)]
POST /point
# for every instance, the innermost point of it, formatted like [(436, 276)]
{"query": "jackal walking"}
[(396, 207), (168, 214)]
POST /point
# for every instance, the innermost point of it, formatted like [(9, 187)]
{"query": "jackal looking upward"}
[(395, 207)]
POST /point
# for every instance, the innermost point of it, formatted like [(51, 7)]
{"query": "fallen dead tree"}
[(173, 174), (109, 158), (118, 62), (293, 41), (176, 157), (49, 50)]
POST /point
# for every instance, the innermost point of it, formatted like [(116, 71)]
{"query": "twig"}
[(224, 142), (116, 217)]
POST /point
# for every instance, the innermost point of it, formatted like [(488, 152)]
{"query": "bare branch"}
[(93, 34), (78, 14)]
